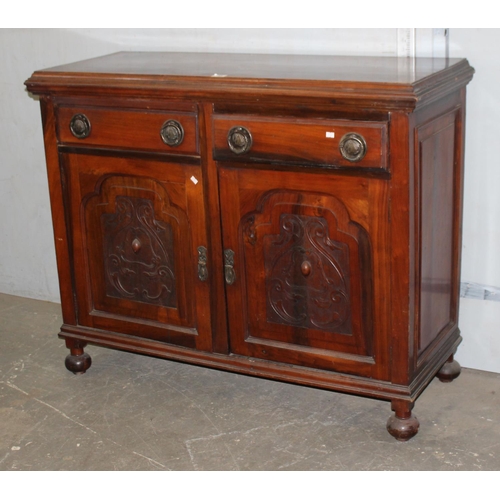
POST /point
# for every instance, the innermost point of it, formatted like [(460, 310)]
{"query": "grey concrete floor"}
[(131, 412)]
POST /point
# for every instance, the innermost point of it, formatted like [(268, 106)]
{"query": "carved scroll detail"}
[(307, 275), (138, 253)]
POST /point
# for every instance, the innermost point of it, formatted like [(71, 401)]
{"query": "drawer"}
[(336, 143), (129, 129)]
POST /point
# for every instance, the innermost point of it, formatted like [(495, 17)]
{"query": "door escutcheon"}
[(202, 264), (229, 273)]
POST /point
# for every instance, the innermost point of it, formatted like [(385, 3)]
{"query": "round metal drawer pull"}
[(80, 126), (353, 147), (239, 140), (172, 133)]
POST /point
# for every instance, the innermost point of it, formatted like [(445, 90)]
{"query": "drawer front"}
[(129, 129), (336, 143)]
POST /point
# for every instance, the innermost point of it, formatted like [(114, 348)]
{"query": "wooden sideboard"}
[(290, 217)]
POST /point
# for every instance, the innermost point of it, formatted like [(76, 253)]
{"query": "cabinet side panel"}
[(57, 189), (436, 152), (402, 249)]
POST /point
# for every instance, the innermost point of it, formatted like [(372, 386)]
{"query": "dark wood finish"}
[(136, 228), (77, 361), (403, 425), (450, 370), (323, 320), (300, 141), (286, 259), (128, 129)]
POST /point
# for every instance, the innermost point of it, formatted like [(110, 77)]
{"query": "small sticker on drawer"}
[(330, 135), (194, 180)]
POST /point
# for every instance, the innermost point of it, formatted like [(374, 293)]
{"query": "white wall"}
[(480, 319), (27, 260)]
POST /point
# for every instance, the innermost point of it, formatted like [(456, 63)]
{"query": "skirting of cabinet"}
[(297, 219), (80, 337)]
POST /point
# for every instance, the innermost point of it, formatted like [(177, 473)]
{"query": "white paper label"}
[(194, 180), (330, 135)]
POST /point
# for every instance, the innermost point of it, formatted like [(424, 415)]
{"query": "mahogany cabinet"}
[(289, 217)]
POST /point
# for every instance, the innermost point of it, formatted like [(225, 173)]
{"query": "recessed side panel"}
[(438, 231)]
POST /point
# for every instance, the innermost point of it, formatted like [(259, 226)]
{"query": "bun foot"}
[(402, 425), (449, 371), (78, 364), (77, 361)]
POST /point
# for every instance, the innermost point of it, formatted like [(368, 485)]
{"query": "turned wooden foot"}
[(449, 371), (77, 361), (402, 425)]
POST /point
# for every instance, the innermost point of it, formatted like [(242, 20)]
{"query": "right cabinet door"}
[(307, 268)]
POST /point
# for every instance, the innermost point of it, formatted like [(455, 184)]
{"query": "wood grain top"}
[(316, 75), (262, 66)]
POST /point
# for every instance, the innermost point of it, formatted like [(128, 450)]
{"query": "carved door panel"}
[(140, 247), (304, 279)]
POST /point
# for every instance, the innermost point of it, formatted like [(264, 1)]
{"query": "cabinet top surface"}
[(392, 70), (385, 82)]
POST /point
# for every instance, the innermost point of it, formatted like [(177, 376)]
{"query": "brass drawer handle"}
[(239, 140), (172, 133), (353, 147), (80, 126)]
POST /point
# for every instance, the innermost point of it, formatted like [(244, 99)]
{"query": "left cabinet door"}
[(138, 233)]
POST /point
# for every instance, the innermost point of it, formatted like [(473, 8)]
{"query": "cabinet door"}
[(306, 270), (140, 247)]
